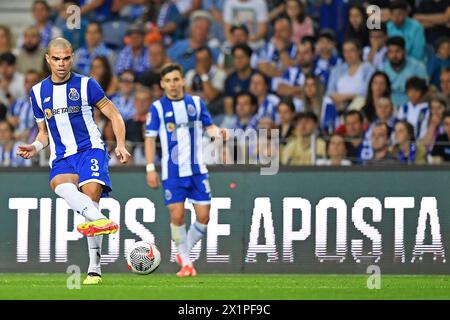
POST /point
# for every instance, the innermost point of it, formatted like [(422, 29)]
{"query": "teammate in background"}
[(63, 105), (179, 120)]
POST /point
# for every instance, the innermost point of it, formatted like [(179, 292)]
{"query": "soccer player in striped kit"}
[(179, 120), (63, 106)]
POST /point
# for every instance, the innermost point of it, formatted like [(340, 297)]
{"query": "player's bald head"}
[(59, 43)]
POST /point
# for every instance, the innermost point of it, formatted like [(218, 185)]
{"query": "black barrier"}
[(301, 220)]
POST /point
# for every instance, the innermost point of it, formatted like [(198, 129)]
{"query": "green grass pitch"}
[(225, 286)]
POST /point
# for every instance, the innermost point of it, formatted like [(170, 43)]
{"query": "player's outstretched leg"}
[(79, 202), (95, 249)]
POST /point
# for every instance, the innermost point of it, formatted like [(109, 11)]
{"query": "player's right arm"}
[(151, 132), (27, 151), (152, 175)]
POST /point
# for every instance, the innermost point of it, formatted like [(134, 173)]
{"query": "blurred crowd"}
[(345, 83)]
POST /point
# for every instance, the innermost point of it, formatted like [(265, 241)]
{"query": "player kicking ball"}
[(179, 120), (63, 105)]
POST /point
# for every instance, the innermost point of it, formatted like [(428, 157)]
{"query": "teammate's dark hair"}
[(168, 68)]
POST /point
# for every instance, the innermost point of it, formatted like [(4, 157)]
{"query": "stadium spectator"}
[(276, 8), (8, 147), (101, 71), (68, 24), (41, 15), (239, 80), (400, 68), (292, 82), (135, 55), (99, 10), (136, 124), (245, 116), (434, 16), (31, 55), (349, 80), (384, 113), (441, 149), (206, 80), (333, 14), (183, 51), (124, 98), (354, 134), (375, 52), (302, 25), (7, 40), (336, 152), (94, 47), (356, 27), (215, 9), (379, 86), (327, 57), (124, 102), (313, 95), (239, 35), (264, 148), (21, 114), (187, 7), (380, 140), (407, 28), (416, 111), (279, 53), (11, 81), (438, 106), (286, 115), (405, 149), (267, 102), (306, 146), (438, 61), (253, 13), (163, 22), (157, 58), (445, 84)]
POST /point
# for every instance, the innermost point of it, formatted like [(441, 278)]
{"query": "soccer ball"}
[(143, 258)]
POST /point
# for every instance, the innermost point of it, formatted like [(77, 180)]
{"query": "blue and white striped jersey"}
[(22, 110), (179, 124), (68, 109)]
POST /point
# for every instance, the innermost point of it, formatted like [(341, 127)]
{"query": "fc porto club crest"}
[(170, 126), (191, 110), (168, 195), (73, 94)]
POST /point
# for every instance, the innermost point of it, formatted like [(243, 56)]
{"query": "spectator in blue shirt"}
[(99, 10), (334, 15), (41, 16), (94, 47), (183, 51), (439, 61), (409, 29), (135, 55), (400, 68)]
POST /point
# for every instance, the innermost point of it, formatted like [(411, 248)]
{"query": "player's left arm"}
[(110, 111)]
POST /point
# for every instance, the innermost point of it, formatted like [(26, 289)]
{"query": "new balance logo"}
[(47, 99), (95, 174)]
